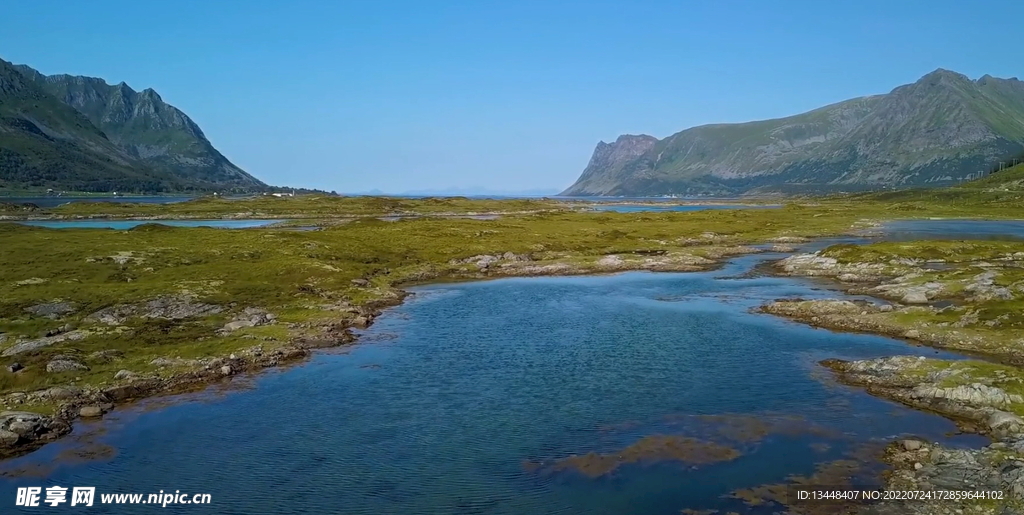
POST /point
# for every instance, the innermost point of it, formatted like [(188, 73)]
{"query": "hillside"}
[(47, 144), (146, 128), (933, 132), (96, 137)]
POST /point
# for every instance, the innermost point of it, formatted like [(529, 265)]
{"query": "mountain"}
[(145, 127), (933, 132), (82, 134), (45, 143)]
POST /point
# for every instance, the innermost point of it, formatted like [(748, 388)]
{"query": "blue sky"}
[(405, 95)]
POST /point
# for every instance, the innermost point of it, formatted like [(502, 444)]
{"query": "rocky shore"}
[(74, 400), (956, 303), (980, 397)]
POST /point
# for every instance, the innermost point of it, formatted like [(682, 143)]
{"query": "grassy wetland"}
[(90, 318)]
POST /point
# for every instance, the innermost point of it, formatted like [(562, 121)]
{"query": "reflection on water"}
[(467, 398)]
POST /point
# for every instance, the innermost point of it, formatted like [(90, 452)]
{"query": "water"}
[(627, 208), (452, 395), (128, 224), (909, 230), (46, 202)]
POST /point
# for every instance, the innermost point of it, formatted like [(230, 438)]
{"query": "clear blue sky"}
[(400, 95)]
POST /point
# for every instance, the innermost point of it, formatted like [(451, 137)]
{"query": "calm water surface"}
[(908, 230), (128, 224), (45, 202), (451, 396), (627, 208)]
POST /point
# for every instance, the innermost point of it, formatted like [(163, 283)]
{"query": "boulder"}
[(24, 428), (998, 419), (8, 438), (237, 324), (52, 310), (106, 356), (124, 374), (14, 367), (362, 283), (911, 445), (29, 427), (90, 411), (610, 261), (65, 365), (177, 308), (915, 297), (38, 343)]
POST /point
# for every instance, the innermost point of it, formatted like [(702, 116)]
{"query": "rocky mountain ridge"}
[(933, 132)]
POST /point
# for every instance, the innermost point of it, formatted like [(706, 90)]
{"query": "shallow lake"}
[(51, 201), (128, 224), (951, 229), (464, 399), (630, 208)]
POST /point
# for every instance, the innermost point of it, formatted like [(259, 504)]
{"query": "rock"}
[(226, 370), (177, 308), (14, 367), (106, 356), (8, 438), (90, 411), (24, 428), (610, 261), (975, 394), (511, 256), (486, 261), (232, 357), (124, 374), (885, 308), (998, 419), (911, 445), (789, 239), (38, 343), (56, 393), (30, 427), (912, 334), (918, 466), (173, 362), (237, 324), (362, 283), (362, 321), (113, 315), (915, 297), (65, 365), (52, 310)]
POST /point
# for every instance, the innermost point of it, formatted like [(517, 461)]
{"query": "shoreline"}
[(92, 404), (75, 403)]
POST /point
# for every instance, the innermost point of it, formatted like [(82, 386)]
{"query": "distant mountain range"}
[(933, 132), (466, 192), (81, 134)]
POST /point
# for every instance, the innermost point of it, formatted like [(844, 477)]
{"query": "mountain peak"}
[(144, 129), (942, 74), (932, 132)]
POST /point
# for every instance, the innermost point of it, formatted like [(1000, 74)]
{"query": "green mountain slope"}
[(146, 128), (47, 144), (933, 132)]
